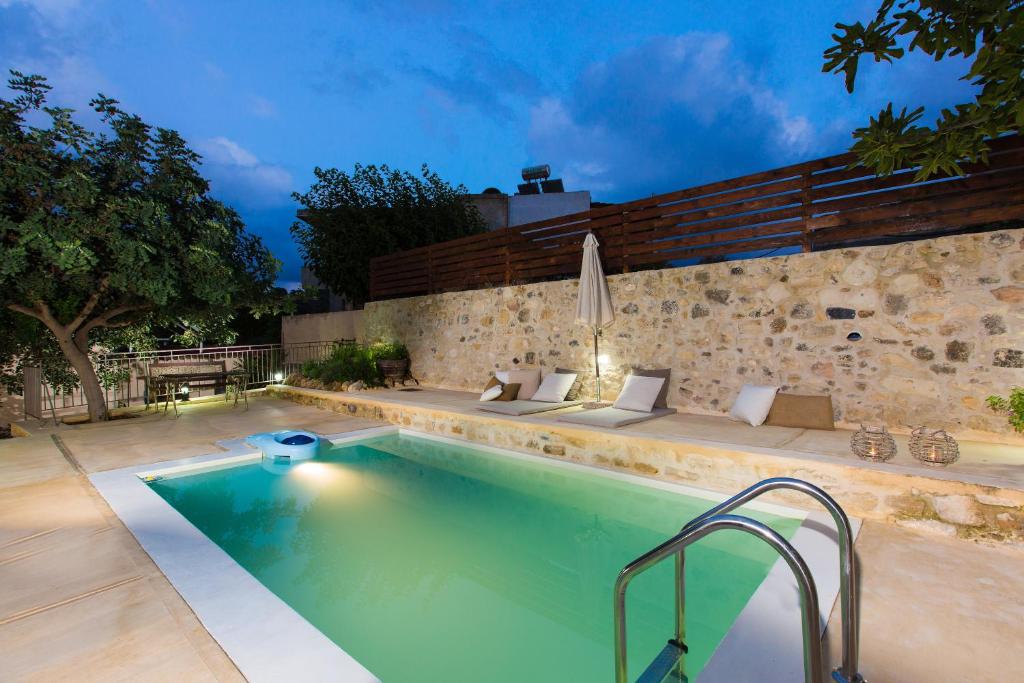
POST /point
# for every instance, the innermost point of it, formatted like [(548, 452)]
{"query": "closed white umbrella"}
[(594, 306)]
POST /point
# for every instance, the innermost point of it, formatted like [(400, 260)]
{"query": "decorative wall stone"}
[(939, 330)]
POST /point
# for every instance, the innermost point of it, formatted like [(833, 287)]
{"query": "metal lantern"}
[(873, 443), (933, 446)]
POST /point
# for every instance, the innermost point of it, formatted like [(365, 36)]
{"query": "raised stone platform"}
[(981, 497)]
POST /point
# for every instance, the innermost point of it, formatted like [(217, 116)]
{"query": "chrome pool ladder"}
[(669, 663)]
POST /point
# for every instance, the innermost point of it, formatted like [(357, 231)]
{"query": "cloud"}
[(51, 11), (46, 37), (214, 72), (262, 107), (482, 78), (671, 112), (344, 71), (239, 177)]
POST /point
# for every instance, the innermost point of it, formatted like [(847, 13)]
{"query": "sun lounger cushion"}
[(554, 388), (666, 374), (806, 412), (639, 393), (528, 380), (577, 386), (612, 418), (524, 407), (753, 404)]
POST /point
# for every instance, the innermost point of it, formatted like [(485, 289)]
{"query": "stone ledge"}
[(938, 505)]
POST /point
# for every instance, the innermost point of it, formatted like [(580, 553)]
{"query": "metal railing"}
[(717, 518), (124, 374)]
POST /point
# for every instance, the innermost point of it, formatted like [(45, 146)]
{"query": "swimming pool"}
[(431, 561)]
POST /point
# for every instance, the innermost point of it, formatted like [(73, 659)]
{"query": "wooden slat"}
[(816, 203)]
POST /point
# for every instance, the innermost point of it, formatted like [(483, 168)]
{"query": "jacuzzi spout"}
[(282, 449)]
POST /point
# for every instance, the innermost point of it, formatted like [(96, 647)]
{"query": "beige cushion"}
[(666, 374), (753, 404), (807, 412), (639, 393), (554, 387), (528, 381)]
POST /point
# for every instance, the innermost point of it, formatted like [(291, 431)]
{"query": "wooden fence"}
[(815, 205)]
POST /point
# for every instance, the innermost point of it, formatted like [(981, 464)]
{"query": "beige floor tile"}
[(31, 459), (122, 634), (937, 609)]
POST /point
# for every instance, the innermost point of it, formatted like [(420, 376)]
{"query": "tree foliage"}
[(990, 32), (347, 219), (112, 230)]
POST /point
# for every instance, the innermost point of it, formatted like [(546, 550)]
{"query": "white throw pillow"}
[(639, 393), (555, 387), (753, 404), (528, 381), (501, 376), (492, 393)]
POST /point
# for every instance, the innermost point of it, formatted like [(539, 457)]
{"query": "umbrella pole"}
[(597, 368)]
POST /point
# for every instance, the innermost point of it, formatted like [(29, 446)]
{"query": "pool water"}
[(428, 561)]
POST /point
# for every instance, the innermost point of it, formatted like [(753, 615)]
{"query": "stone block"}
[(957, 509)]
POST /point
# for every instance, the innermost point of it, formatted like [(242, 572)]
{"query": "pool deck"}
[(82, 600)]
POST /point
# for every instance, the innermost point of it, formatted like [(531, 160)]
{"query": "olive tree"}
[(113, 228)]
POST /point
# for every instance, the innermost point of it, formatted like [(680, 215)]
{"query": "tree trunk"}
[(87, 376)]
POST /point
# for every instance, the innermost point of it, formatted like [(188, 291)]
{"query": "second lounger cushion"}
[(528, 381), (662, 400), (753, 404), (639, 393), (554, 388), (613, 418)]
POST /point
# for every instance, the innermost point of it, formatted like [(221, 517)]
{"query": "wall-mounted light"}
[(604, 360), (278, 376)]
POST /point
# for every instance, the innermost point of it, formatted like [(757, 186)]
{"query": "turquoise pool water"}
[(433, 562)]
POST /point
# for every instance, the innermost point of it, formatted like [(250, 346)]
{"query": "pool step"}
[(664, 668)]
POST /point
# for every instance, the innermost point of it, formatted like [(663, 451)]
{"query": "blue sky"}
[(623, 99)]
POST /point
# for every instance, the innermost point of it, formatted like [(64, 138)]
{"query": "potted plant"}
[(392, 360), (1012, 407)]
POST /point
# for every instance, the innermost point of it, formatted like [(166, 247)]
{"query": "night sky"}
[(623, 99)]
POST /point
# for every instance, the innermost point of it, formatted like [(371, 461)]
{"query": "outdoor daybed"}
[(524, 407), (613, 418)]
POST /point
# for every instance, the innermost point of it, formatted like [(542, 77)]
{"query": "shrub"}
[(347, 363), (388, 351), (1012, 407)]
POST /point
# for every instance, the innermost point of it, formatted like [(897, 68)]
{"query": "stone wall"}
[(905, 334)]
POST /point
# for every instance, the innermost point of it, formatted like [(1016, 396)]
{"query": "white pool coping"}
[(245, 617)]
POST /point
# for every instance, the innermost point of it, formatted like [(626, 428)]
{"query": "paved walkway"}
[(82, 601)]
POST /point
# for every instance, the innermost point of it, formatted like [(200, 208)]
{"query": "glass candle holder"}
[(873, 443), (933, 447)]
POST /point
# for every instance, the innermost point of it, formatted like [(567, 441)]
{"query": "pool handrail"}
[(694, 532), (847, 672)]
